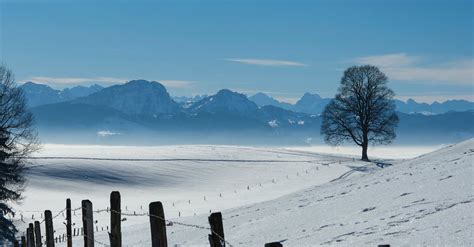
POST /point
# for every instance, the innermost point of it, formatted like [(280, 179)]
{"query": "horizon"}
[(404, 99), (196, 48)]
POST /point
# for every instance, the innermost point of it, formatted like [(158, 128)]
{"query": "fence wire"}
[(320, 162)]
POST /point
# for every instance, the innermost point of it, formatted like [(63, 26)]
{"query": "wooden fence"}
[(158, 224)]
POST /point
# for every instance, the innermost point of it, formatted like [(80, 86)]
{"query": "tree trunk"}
[(364, 152)]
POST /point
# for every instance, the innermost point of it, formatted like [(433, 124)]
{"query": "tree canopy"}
[(363, 110)]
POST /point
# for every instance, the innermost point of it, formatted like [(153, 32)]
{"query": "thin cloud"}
[(401, 66), (267, 62), (75, 80), (177, 83), (389, 60)]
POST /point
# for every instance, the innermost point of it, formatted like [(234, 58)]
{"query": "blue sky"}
[(283, 48)]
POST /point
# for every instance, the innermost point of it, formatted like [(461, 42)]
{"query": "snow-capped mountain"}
[(225, 101), (314, 104), (137, 97), (80, 91), (186, 102), (262, 99), (411, 106), (41, 94), (311, 104), (146, 106)]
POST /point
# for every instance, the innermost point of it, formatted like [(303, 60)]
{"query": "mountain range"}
[(315, 104), (40, 94), (143, 112)]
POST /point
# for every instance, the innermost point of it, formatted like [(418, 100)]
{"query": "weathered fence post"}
[(23, 241), (68, 223), (88, 223), (49, 228), (38, 234), (31, 235), (273, 244), (115, 234), (28, 237), (157, 225), (216, 238)]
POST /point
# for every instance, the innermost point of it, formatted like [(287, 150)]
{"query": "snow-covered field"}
[(299, 197), (386, 152)]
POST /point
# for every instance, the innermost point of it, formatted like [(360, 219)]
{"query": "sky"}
[(282, 47)]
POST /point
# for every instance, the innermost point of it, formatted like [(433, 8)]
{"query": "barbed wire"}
[(171, 222), (55, 216), (319, 162), (95, 240), (174, 222)]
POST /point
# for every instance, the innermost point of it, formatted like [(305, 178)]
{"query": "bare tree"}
[(363, 110), (17, 141)]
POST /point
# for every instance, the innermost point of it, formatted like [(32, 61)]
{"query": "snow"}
[(273, 123), (295, 196), (385, 152), (105, 133)]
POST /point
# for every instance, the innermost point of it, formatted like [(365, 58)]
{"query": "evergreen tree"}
[(17, 140)]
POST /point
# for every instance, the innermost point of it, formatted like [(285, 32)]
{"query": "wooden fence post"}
[(115, 234), (49, 228), (38, 234), (216, 238), (31, 235), (27, 237), (157, 225), (273, 244), (23, 241), (68, 223), (88, 223)]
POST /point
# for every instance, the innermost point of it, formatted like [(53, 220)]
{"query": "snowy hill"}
[(425, 201), (299, 198)]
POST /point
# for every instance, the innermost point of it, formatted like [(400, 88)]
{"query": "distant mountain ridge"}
[(186, 102), (310, 103), (225, 101), (412, 106), (144, 110), (315, 104), (40, 94), (137, 97), (262, 99)]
